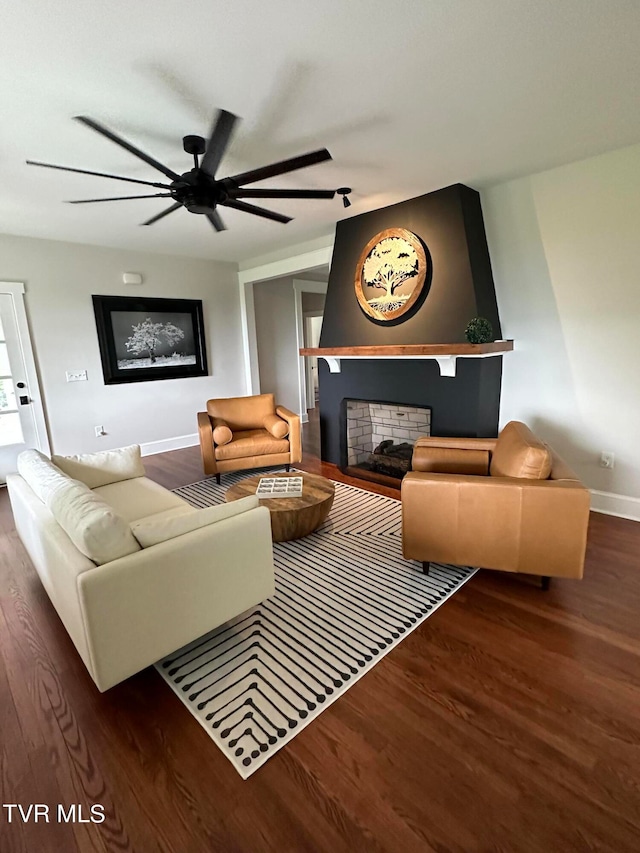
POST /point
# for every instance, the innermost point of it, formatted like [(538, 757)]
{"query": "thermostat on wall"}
[(132, 278)]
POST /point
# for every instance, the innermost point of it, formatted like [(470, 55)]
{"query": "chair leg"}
[(545, 582), (425, 568), (218, 479), (287, 467)]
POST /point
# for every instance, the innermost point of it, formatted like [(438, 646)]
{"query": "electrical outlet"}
[(607, 459), (99, 431)]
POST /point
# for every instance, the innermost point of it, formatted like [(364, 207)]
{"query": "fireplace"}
[(465, 402), (380, 435)]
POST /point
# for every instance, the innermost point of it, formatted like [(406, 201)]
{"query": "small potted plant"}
[(479, 331)]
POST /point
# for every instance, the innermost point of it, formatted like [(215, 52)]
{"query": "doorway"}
[(22, 422), (312, 329)]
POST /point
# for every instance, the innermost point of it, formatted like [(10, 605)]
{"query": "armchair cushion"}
[(221, 432), (242, 413), (167, 525), (252, 442), (276, 426), (518, 453)]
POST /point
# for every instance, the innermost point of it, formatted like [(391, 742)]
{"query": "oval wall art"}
[(391, 274)]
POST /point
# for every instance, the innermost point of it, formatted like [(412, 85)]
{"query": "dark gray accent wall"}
[(450, 224), (464, 405)]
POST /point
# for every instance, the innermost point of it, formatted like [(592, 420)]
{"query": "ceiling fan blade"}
[(269, 193), (281, 168), (218, 142), (97, 174), (216, 220), (164, 213), (119, 198), (258, 211), (94, 125)]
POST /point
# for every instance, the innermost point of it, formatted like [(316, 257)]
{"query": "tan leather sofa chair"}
[(237, 433), (509, 504)]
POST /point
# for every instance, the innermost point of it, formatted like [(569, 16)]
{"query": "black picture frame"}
[(127, 328)]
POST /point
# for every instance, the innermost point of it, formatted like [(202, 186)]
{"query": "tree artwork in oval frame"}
[(391, 274)]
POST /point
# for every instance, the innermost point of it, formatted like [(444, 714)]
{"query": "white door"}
[(21, 415)]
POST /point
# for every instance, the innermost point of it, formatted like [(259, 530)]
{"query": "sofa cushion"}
[(167, 525), (40, 474), (252, 442), (242, 413), (94, 527), (518, 453), (134, 499), (100, 469), (276, 426)]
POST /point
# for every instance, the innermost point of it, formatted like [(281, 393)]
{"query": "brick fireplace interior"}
[(380, 435)]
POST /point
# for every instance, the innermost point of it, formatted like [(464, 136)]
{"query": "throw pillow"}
[(221, 432), (276, 426), (103, 468), (176, 522), (40, 474), (94, 527)]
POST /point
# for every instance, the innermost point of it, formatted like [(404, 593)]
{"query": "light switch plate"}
[(76, 375)]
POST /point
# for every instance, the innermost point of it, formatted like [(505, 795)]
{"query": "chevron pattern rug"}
[(344, 598)]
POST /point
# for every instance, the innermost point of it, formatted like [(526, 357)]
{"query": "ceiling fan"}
[(198, 190)]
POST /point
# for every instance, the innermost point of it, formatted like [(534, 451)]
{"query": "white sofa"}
[(134, 571)]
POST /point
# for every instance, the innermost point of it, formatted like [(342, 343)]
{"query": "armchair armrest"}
[(452, 455), (295, 437), (517, 525), (457, 443), (205, 434)]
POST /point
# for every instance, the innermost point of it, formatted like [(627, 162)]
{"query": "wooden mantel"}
[(445, 354)]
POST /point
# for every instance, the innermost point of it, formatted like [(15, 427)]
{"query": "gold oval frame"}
[(421, 276)]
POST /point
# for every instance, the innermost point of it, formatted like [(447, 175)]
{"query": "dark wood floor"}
[(509, 721)]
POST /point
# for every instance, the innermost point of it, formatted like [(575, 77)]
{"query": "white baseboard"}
[(612, 504), (177, 443)]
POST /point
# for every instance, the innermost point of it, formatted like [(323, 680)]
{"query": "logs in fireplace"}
[(391, 458)]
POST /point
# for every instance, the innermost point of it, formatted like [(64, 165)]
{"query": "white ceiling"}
[(408, 96)]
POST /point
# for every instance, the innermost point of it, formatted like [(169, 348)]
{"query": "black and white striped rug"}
[(344, 598)]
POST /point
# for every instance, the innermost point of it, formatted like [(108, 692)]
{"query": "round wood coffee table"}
[(291, 518)]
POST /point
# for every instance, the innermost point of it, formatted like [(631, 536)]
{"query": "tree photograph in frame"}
[(144, 339)]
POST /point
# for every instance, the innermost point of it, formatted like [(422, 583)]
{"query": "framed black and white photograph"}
[(143, 339)]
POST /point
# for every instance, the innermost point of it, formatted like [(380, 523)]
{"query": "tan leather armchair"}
[(237, 433), (509, 504)]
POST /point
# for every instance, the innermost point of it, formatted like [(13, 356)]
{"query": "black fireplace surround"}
[(450, 224)]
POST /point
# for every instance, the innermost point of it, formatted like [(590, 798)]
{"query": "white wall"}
[(60, 279), (275, 315), (277, 335), (565, 250)]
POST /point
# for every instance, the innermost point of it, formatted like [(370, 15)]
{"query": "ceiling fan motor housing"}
[(197, 191)]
